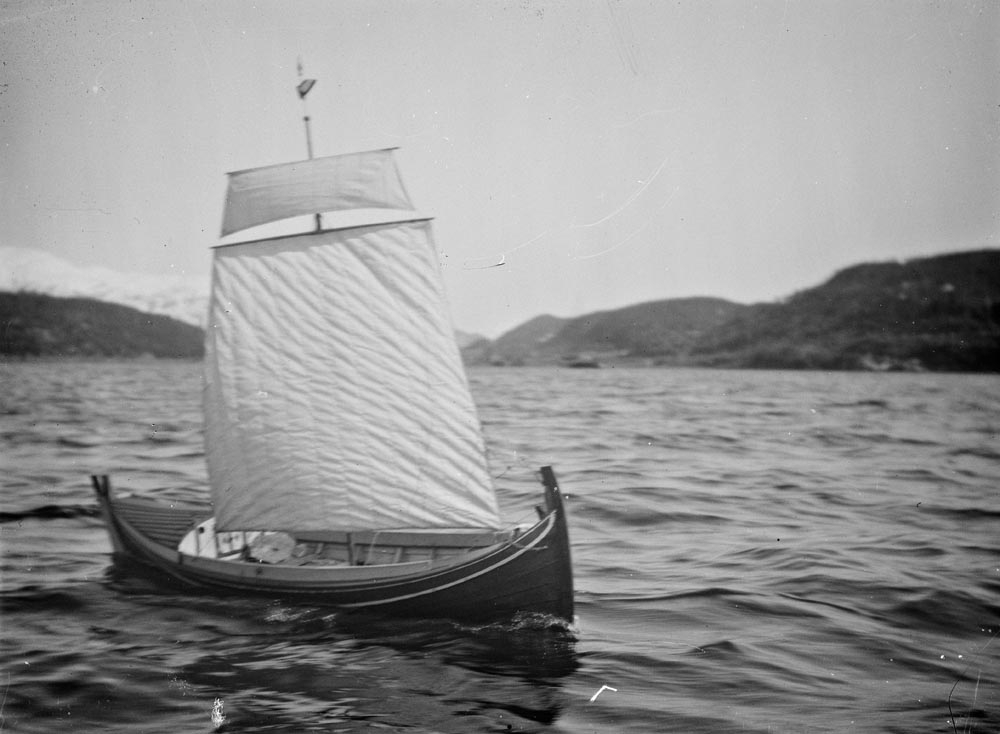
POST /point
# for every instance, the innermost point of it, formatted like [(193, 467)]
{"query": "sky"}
[(576, 155)]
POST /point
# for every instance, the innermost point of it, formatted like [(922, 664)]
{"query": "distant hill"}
[(936, 313), (35, 324), (464, 339), (643, 330), (184, 297), (523, 343)]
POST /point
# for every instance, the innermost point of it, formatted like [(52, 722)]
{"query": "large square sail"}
[(335, 396)]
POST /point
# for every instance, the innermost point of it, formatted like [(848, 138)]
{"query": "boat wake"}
[(526, 622)]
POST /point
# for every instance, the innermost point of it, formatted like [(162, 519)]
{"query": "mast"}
[(318, 441), (303, 88)]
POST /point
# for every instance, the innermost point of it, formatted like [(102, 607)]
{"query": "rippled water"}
[(753, 551)]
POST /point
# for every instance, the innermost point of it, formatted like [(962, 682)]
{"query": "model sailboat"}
[(345, 457)]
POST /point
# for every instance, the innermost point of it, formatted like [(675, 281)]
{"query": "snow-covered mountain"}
[(183, 297)]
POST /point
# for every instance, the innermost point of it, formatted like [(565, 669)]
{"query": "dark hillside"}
[(523, 343), (935, 313), (657, 328), (33, 324), (938, 313)]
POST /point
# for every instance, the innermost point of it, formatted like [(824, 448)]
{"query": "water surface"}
[(753, 551)]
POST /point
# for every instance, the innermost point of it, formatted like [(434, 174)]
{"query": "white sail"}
[(335, 396), (334, 183)]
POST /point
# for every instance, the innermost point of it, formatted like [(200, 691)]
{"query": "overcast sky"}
[(605, 152)]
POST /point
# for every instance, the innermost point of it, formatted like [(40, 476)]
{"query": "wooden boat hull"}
[(530, 573)]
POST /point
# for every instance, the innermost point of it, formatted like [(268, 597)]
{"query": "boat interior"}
[(337, 548)]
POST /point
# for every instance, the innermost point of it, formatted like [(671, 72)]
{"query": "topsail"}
[(333, 183)]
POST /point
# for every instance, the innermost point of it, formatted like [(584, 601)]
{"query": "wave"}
[(946, 612), (75, 443), (866, 403), (33, 598), (977, 452), (963, 513), (51, 512)]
